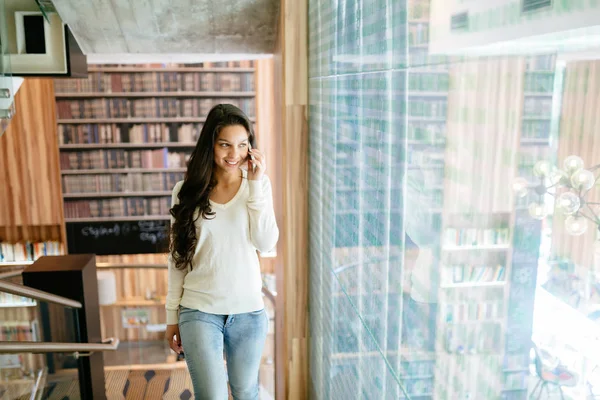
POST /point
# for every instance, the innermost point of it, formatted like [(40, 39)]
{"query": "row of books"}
[(127, 182), (485, 337), (418, 10), (99, 83), (472, 273), (476, 236), (7, 298), (473, 311), (418, 34), (431, 132), (17, 331), (540, 63), (128, 133), (423, 159), (516, 361), (416, 368), (537, 107), (117, 207), (147, 107), (119, 158), (346, 180), (427, 82), (517, 381), (208, 64), (419, 387), (529, 155), (428, 108), (29, 251), (419, 56), (535, 129), (539, 83)]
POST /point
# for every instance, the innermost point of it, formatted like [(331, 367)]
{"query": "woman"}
[(221, 215)]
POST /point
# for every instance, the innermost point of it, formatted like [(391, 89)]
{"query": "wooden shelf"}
[(409, 377), (414, 118), (534, 141), (116, 194), (478, 247), (473, 285), (152, 94), (536, 118), (126, 146), (417, 354), (541, 72), (121, 218), (136, 120), (121, 171), (431, 69), (437, 143), (538, 94), (416, 93), (15, 263), (17, 305), (476, 321), (137, 303), (169, 69)]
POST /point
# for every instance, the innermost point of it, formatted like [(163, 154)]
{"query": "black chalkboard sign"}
[(127, 237)]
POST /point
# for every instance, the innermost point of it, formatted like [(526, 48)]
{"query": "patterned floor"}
[(124, 384), (168, 384)]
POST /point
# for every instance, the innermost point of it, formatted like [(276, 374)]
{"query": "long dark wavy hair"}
[(199, 181)]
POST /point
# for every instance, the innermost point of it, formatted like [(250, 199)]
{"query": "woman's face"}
[(231, 148)]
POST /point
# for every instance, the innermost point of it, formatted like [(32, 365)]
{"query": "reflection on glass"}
[(440, 256)]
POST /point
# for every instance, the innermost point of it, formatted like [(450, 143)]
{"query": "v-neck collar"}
[(234, 198)]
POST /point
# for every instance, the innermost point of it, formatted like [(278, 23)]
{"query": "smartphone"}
[(251, 156)]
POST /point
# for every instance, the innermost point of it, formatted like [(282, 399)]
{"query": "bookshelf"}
[(125, 135), (478, 255), (19, 315)]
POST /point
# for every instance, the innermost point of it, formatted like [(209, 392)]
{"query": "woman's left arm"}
[(264, 232)]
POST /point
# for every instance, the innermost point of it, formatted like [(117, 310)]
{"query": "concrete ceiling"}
[(157, 27)]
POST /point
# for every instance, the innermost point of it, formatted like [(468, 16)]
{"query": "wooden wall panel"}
[(292, 59), (31, 198), (579, 135), (268, 136), (133, 286), (281, 340)]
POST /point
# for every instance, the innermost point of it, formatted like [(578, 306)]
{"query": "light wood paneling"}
[(267, 133), (292, 60), (31, 199), (112, 324), (281, 341), (158, 258), (133, 286), (579, 135), (32, 233)]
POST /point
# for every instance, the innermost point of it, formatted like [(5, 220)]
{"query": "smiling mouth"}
[(231, 163)]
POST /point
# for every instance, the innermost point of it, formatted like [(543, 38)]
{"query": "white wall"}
[(499, 27)]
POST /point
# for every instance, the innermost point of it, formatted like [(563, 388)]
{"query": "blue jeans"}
[(240, 337)]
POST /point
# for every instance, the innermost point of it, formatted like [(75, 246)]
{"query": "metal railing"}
[(25, 291), (43, 296), (79, 349), (18, 272)]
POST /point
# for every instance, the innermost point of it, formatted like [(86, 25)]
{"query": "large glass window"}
[(454, 251)]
